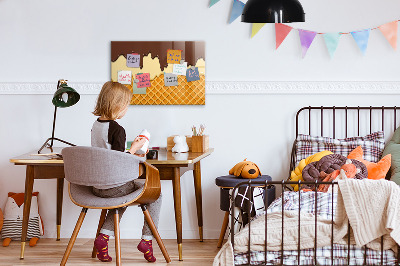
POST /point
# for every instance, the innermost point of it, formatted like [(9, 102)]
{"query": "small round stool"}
[(228, 182)]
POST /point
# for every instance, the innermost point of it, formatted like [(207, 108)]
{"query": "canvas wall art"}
[(161, 73)]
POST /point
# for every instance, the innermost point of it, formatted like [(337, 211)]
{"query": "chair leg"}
[(117, 238), (223, 229), (101, 222), (73, 237), (154, 230)]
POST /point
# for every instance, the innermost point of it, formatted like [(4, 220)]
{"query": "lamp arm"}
[(54, 126), (46, 143), (54, 118)]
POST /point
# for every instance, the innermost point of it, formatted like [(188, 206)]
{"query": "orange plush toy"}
[(245, 169), (13, 214), (375, 170)]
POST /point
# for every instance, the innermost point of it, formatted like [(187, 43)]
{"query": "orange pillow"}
[(375, 170)]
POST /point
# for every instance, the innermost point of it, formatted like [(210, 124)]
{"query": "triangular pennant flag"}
[(389, 30), (237, 9), (213, 2), (361, 37), (332, 41), (256, 27), (306, 39), (281, 31)]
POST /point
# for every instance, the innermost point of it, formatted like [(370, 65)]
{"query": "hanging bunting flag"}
[(281, 31), (306, 39), (361, 37), (389, 30), (332, 41), (213, 2), (256, 27), (237, 9)]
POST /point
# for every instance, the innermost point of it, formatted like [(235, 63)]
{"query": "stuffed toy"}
[(393, 147), (348, 170), (1, 220), (180, 144), (13, 215), (245, 169), (296, 174), (375, 170), (328, 164)]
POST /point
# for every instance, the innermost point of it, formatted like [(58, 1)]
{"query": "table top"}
[(168, 157), (164, 157)]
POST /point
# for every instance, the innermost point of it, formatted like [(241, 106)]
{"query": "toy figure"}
[(180, 144), (245, 169), (13, 215)]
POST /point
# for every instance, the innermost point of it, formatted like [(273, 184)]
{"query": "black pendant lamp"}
[(273, 11)]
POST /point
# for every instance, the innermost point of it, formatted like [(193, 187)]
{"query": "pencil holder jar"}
[(200, 143)]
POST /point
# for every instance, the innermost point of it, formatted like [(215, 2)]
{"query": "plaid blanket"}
[(306, 201), (324, 257), (323, 205)]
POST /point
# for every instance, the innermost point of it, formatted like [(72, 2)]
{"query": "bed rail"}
[(265, 185), (346, 109)]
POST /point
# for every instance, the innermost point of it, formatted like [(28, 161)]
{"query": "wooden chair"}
[(85, 167)]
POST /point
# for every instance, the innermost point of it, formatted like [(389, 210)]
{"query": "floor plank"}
[(49, 252)]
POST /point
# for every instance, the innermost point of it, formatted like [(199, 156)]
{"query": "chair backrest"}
[(92, 166)]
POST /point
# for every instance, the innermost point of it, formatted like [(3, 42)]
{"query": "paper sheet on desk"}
[(53, 155)]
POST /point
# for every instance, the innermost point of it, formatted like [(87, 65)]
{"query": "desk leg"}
[(176, 182), (27, 206), (60, 190), (199, 204)]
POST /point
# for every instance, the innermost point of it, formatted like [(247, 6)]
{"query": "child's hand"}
[(137, 144)]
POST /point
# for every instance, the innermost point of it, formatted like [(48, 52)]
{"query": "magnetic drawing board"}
[(161, 73)]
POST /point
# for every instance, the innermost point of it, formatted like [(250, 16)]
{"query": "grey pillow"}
[(393, 148)]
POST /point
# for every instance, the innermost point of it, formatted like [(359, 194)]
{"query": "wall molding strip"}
[(231, 87)]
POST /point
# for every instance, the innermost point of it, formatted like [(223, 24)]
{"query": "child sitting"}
[(112, 103)]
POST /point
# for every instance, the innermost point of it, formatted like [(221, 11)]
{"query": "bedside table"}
[(226, 183)]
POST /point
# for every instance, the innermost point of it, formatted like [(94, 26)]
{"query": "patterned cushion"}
[(372, 144)]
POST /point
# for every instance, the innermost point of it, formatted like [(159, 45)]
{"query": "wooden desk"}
[(171, 167), (40, 167)]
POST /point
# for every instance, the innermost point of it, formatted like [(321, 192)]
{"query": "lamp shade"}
[(65, 96), (273, 11)]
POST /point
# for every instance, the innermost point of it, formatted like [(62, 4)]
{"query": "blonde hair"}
[(112, 98)]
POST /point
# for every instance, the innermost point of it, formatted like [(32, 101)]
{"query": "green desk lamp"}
[(65, 96)]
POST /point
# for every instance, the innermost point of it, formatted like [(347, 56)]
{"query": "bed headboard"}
[(344, 118), (344, 121)]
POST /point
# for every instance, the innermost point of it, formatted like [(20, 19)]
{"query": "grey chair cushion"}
[(99, 167), (83, 196)]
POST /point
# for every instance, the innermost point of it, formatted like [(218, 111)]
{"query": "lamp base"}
[(50, 146)]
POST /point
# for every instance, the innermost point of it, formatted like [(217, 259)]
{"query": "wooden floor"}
[(50, 252)]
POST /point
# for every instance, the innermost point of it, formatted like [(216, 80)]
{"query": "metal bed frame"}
[(283, 184)]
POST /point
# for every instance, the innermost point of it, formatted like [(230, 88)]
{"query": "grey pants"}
[(153, 208)]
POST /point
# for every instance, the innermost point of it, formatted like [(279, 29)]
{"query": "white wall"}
[(42, 41)]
